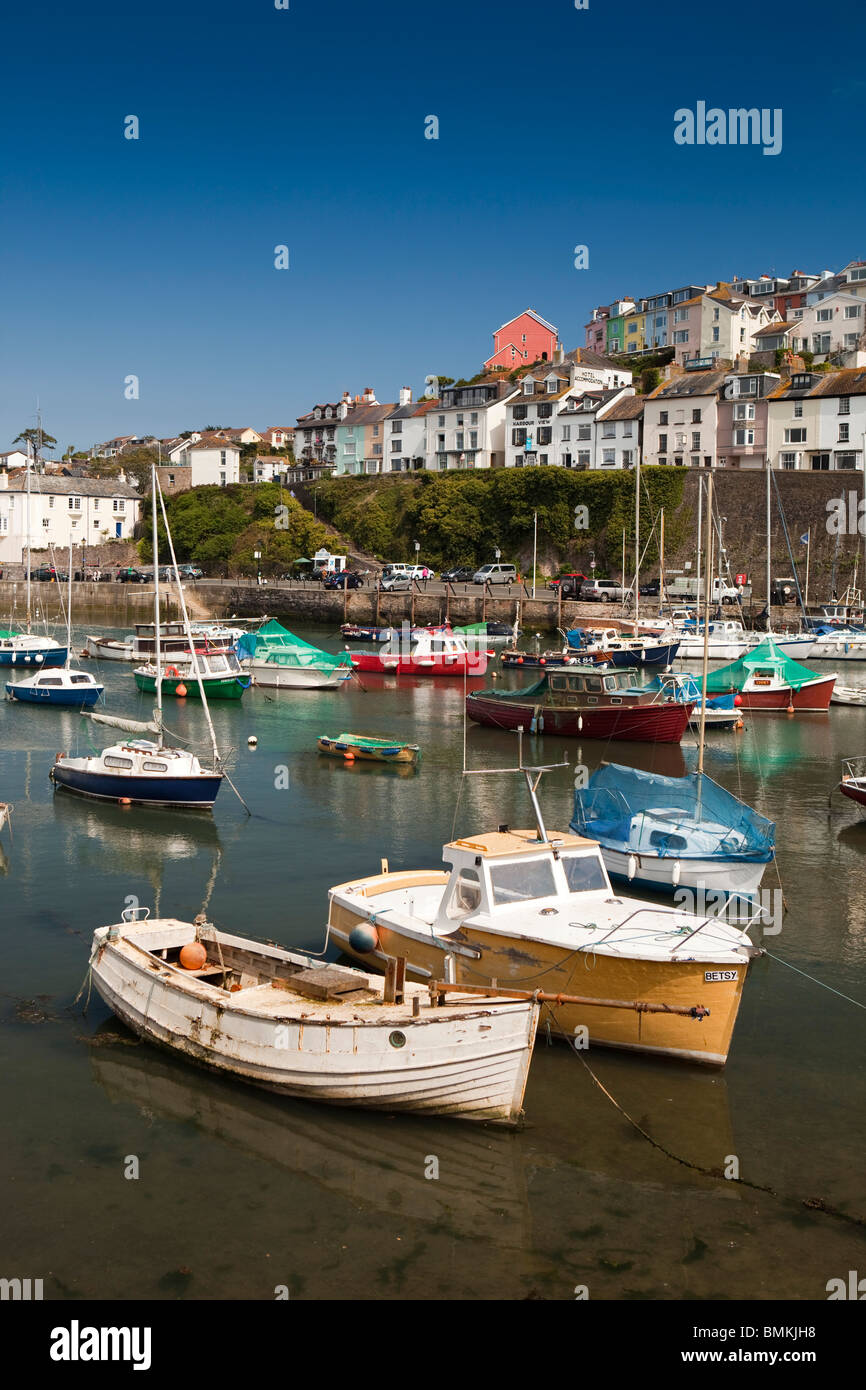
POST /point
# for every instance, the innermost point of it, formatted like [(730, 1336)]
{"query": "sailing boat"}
[(25, 648), (142, 770), (69, 686), (669, 832)]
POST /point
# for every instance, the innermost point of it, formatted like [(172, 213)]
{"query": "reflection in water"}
[(371, 1159)]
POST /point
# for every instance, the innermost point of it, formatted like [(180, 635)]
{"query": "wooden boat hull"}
[(109, 649), (639, 723), (467, 1063), (478, 957), (814, 695), (391, 753), (216, 687)]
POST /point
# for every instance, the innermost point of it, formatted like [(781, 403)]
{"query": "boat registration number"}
[(714, 977)]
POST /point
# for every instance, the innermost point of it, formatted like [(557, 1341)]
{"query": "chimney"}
[(369, 396), (405, 395)]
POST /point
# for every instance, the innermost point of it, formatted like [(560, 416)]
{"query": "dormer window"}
[(317, 413), (529, 387), (552, 385)]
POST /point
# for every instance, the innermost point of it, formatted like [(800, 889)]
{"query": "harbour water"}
[(239, 1192)]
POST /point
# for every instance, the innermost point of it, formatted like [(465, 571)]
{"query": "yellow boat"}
[(532, 910), (367, 748)]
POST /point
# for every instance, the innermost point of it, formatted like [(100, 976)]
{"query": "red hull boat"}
[(426, 652), (583, 705), (814, 695)]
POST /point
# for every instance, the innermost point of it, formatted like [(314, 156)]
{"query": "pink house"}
[(528, 338)]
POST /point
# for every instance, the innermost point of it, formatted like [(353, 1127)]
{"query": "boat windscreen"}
[(583, 873)]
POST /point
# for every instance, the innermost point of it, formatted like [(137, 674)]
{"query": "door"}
[(118, 529)]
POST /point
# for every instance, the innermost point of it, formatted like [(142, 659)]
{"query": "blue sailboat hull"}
[(33, 695), (150, 791), (51, 656)]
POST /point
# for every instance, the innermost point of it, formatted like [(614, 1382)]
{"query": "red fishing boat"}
[(584, 705), (425, 652), (766, 679)]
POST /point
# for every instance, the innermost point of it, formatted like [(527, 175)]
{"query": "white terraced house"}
[(83, 511), (467, 427), (817, 422), (835, 324)]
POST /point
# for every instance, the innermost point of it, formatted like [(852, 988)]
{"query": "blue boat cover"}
[(677, 817)]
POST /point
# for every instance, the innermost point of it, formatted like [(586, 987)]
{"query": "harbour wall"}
[(104, 605)]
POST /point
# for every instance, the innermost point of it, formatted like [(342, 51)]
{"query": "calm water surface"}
[(239, 1191)]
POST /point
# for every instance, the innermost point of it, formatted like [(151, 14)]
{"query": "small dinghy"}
[(303, 1027), (379, 750), (109, 648), (848, 695)]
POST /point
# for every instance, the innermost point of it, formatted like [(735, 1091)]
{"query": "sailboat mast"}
[(637, 538), (662, 563), (69, 609), (188, 630), (27, 536), (708, 579), (769, 589), (156, 631), (700, 541)]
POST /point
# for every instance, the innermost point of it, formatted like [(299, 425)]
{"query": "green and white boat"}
[(276, 658), (365, 747), (219, 672)]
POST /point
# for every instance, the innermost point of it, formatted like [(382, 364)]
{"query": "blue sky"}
[(305, 127)]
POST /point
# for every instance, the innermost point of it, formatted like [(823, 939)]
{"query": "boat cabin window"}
[(218, 663), (154, 767), (593, 683), (80, 680), (51, 680), (583, 873), (111, 761), (575, 683), (610, 683), (466, 896), (519, 883)]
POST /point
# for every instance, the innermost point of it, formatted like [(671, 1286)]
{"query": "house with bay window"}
[(817, 421), (467, 427)]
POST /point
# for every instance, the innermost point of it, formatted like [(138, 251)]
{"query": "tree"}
[(38, 440)]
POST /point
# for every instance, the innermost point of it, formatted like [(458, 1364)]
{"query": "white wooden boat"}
[(848, 695), (109, 648), (306, 1028)]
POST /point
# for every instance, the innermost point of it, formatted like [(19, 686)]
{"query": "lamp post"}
[(257, 555), (534, 548)]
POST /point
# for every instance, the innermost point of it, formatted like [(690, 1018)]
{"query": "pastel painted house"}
[(527, 338)]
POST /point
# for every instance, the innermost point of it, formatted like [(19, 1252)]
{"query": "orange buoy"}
[(180, 690), (349, 757), (193, 956), (125, 801)]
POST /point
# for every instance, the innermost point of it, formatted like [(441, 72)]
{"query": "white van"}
[(495, 574)]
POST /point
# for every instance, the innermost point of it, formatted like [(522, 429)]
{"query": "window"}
[(608, 458), (552, 386), (681, 335), (111, 761), (376, 428), (789, 460), (583, 873), (440, 442), (798, 410), (50, 502), (696, 441), (222, 458), (545, 412), (744, 412), (852, 311), (566, 434), (695, 460), (154, 767), (795, 436), (396, 446), (715, 335), (520, 412), (583, 458), (716, 314), (627, 429), (529, 387), (473, 439), (846, 460), (519, 883), (663, 417), (118, 505), (473, 417), (518, 437), (608, 430), (458, 440), (663, 443), (743, 437), (681, 316), (466, 894), (627, 458), (820, 463), (441, 421), (584, 432), (545, 435), (844, 434), (844, 405), (75, 504), (46, 522), (222, 479), (824, 316)]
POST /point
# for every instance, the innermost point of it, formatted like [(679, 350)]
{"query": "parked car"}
[(344, 579), (47, 574), (569, 584), (603, 591), (495, 574), (650, 589), (190, 572), (130, 575), (463, 574), (395, 581)]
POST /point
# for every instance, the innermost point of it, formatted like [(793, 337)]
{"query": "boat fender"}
[(364, 938), (541, 724), (580, 722), (632, 867), (180, 690), (172, 671), (675, 876)]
